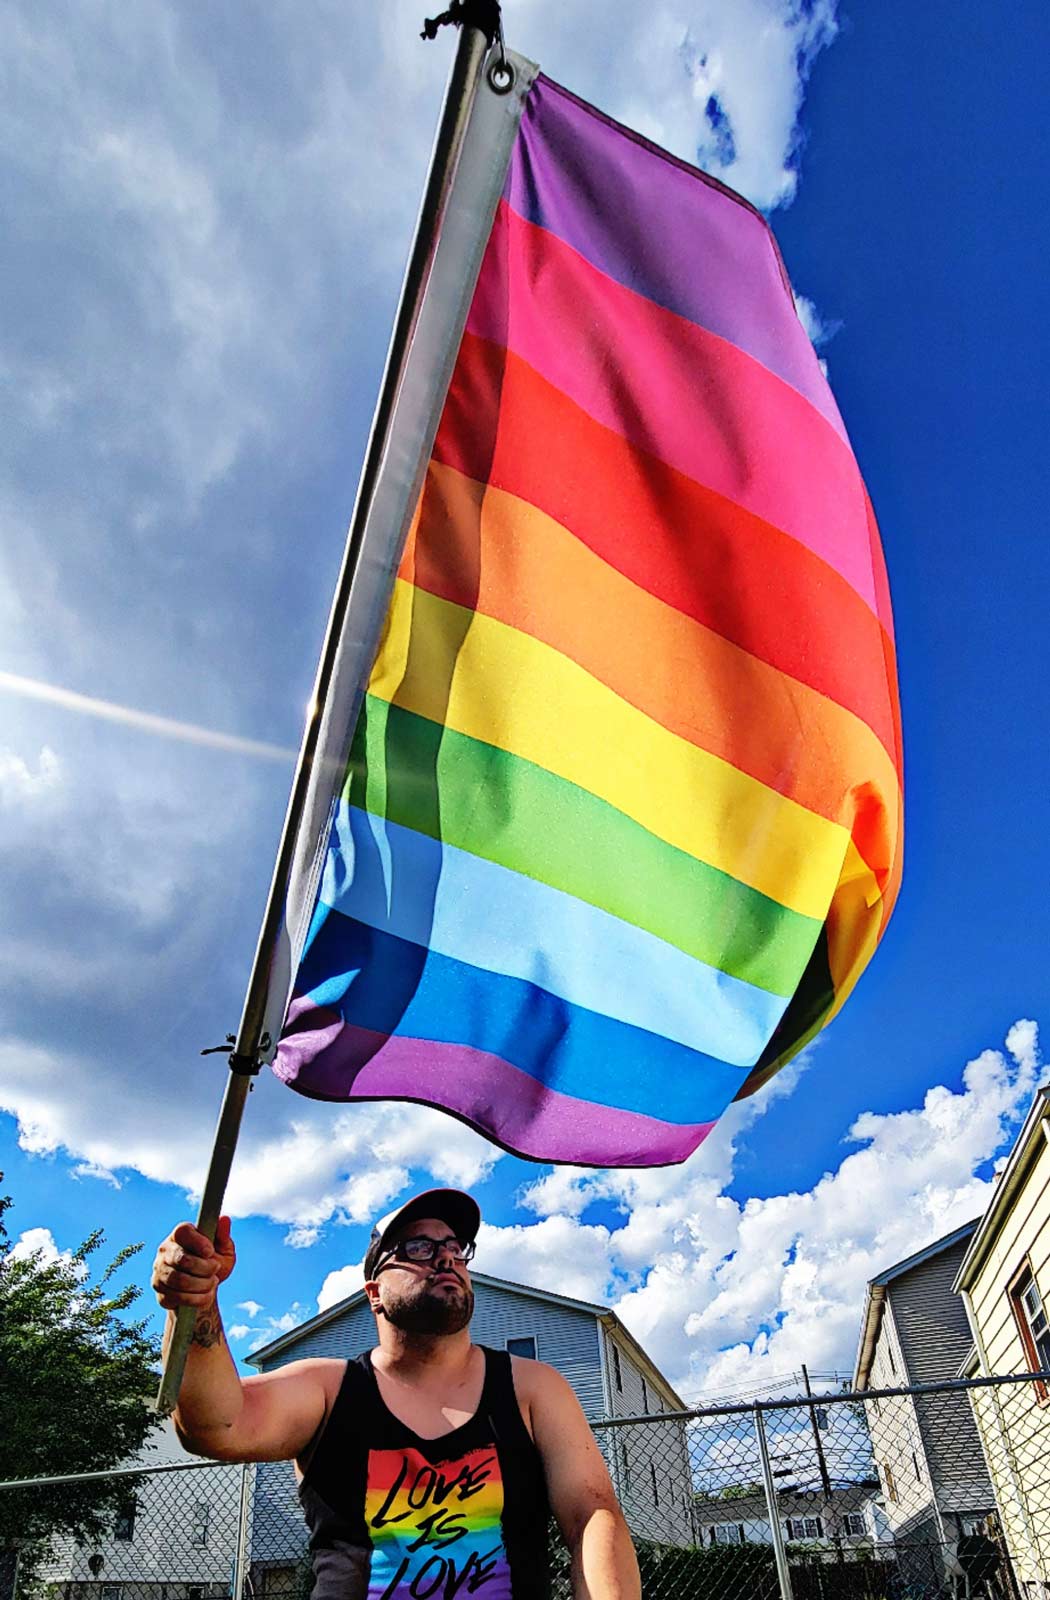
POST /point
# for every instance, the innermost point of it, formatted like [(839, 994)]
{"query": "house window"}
[(525, 1345), (124, 1521), (652, 1474), (853, 1525), (1030, 1316), (805, 1528), (645, 1398), (728, 1533), (112, 1591), (626, 1465), (617, 1374), (888, 1480), (199, 1524)]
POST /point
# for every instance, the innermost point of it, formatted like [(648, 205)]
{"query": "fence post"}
[(779, 1551), (243, 1555)]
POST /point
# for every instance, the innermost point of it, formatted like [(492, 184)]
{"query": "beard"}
[(430, 1310)]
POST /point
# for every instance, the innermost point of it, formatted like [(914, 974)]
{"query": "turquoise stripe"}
[(389, 987), (476, 911)]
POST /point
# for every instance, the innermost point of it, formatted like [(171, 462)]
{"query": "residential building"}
[(936, 1488), (1004, 1283), (849, 1518), (175, 1536), (588, 1344)]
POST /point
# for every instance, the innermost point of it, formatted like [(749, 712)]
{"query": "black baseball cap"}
[(461, 1212)]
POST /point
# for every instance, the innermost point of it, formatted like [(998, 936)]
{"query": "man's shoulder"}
[(539, 1383), (328, 1371)]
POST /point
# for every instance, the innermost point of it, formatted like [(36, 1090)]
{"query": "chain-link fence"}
[(931, 1493)]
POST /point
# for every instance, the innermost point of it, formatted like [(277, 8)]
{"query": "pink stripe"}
[(328, 1059), (691, 398)]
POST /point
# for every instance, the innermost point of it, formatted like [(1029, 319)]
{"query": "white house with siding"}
[(588, 1344), (935, 1485), (849, 1518)]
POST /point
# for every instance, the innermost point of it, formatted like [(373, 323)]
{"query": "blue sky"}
[(207, 212)]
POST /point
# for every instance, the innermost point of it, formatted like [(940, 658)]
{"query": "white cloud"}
[(340, 1284), (203, 267), (819, 329), (557, 1253), (21, 782), (252, 1307), (723, 1293), (298, 1162), (38, 1242), (263, 1333), (91, 1169), (719, 85)]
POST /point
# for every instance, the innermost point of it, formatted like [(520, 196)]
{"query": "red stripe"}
[(693, 399), (689, 546)]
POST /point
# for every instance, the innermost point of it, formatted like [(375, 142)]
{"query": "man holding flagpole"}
[(428, 1466)]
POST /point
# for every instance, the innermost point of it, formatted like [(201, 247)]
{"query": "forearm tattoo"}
[(207, 1330)]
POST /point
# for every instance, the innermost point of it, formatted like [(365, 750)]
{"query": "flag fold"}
[(620, 823)]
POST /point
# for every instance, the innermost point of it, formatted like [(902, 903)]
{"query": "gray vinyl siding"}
[(344, 1337), (927, 1324), (930, 1319), (661, 1510), (566, 1338), (635, 1396)]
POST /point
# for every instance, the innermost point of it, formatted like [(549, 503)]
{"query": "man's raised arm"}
[(272, 1417)]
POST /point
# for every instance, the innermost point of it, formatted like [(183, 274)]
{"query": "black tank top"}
[(396, 1517)]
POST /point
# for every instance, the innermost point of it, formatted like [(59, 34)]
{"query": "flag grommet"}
[(501, 77)]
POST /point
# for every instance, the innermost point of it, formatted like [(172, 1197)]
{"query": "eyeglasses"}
[(421, 1247)]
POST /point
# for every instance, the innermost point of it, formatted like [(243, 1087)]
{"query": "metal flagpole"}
[(479, 22)]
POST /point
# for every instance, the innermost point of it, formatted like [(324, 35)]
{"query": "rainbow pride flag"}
[(621, 821)]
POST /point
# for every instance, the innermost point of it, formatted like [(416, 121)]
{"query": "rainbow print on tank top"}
[(436, 1528)]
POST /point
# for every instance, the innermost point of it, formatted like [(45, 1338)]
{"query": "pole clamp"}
[(481, 14), (243, 1066)]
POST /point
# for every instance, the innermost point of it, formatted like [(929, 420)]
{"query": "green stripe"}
[(498, 806)]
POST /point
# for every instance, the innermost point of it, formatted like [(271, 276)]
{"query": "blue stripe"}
[(405, 883), (376, 981)]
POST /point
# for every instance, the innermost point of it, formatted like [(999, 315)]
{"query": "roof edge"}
[(875, 1299), (284, 1341), (1021, 1158), (611, 1322)]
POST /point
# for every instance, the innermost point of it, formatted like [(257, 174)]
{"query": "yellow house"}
[(1004, 1281)]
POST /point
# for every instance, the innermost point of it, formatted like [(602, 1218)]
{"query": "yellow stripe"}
[(855, 924), (493, 683)]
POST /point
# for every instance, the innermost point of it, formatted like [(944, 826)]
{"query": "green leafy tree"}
[(75, 1375)]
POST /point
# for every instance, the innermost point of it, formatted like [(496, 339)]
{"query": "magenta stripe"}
[(328, 1059), (663, 229), (680, 393)]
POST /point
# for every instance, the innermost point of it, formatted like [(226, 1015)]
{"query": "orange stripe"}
[(484, 549)]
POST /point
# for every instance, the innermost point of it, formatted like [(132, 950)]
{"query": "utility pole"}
[(831, 1515)]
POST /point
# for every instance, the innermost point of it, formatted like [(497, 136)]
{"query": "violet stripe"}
[(660, 228), (682, 394), (321, 1056)]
